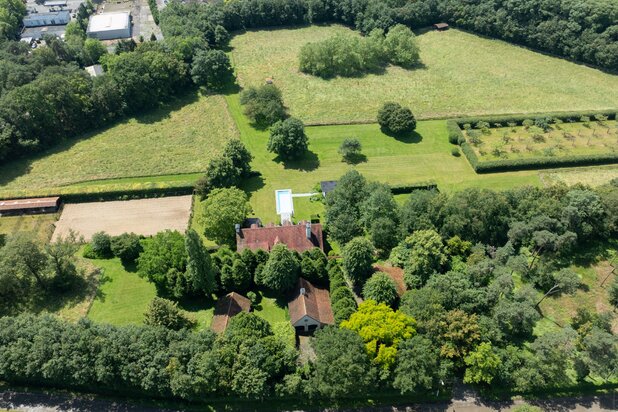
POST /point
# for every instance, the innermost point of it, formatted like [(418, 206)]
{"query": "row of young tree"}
[(578, 29)]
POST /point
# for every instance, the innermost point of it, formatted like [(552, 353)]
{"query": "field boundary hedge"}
[(405, 189), (456, 136), (86, 195)]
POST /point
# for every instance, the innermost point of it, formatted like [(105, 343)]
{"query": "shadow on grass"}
[(307, 163), (195, 304), (591, 254), (355, 159), (252, 184), (407, 138)]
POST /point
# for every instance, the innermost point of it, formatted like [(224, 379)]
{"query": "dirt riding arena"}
[(143, 217)]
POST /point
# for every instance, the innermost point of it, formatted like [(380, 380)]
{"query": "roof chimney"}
[(237, 227), (308, 230), (303, 291)]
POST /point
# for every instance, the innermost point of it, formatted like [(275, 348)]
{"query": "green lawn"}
[(569, 139), (179, 138), (123, 296), (462, 74), (426, 155)]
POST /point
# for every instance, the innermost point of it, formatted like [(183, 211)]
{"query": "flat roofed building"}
[(310, 307), (95, 70), (109, 26), (53, 18), (55, 3), (38, 205)]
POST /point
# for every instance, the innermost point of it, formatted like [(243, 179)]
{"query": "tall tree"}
[(223, 209), (200, 273)]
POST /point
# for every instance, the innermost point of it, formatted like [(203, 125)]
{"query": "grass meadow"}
[(178, 139), (461, 74), (591, 176), (41, 226)]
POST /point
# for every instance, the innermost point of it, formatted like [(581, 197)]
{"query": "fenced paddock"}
[(144, 217)]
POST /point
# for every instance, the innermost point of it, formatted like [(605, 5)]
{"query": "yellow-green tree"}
[(382, 329)]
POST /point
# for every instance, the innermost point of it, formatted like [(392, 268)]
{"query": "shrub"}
[(127, 247), (455, 135), (381, 288), (101, 245), (253, 297), (396, 119), (263, 104), (88, 253), (281, 271), (165, 313), (350, 149), (455, 152), (288, 139)]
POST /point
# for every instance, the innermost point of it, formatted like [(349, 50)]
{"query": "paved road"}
[(62, 401)]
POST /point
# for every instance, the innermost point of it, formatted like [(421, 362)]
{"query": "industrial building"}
[(52, 18), (109, 26)]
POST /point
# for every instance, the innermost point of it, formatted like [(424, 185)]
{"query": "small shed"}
[(310, 307), (441, 26), (327, 186), (227, 307), (29, 206)]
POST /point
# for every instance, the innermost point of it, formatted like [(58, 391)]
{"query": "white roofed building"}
[(108, 26)]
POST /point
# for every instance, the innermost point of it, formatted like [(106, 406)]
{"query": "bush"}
[(350, 150), (127, 247), (88, 253), (288, 139), (455, 152), (263, 105), (381, 288), (101, 245), (165, 313), (395, 119), (281, 271), (455, 135)]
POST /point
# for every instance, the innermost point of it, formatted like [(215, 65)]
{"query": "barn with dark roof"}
[(301, 237)]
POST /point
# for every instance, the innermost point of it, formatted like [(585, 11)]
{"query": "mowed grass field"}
[(41, 226), (423, 156), (462, 74), (178, 138)]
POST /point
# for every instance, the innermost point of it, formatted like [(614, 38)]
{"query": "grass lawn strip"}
[(462, 74)]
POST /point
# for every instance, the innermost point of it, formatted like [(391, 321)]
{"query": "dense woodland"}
[(36, 84)]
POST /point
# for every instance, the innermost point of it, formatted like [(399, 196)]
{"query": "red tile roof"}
[(25, 204), (293, 236), (314, 302), (227, 307)]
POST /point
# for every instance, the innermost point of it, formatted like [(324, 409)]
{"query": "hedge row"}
[(519, 118), (456, 136), (154, 10), (111, 194), (535, 162), (405, 189), (341, 297)]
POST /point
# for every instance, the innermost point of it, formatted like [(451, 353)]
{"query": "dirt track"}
[(144, 217)]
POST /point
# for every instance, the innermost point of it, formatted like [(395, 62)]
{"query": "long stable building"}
[(32, 206)]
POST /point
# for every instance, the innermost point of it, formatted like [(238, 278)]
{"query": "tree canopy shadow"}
[(163, 110), (252, 183), (407, 138), (307, 163), (355, 159)]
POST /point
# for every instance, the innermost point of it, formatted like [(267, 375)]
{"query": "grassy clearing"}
[(422, 156), (570, 139), (592, 176), (123, 296), (596, 275), (462, 74), (179, 138), (42, 226)]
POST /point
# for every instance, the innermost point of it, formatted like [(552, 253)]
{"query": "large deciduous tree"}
[(288, 139), (357, 260), (280, 273), (222, 210)]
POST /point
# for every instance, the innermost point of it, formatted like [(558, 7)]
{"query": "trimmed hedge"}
[(519, 118), (456, 136), (113, 194), (405, 189)]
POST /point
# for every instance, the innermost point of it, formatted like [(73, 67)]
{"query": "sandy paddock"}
[(144, 217)]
